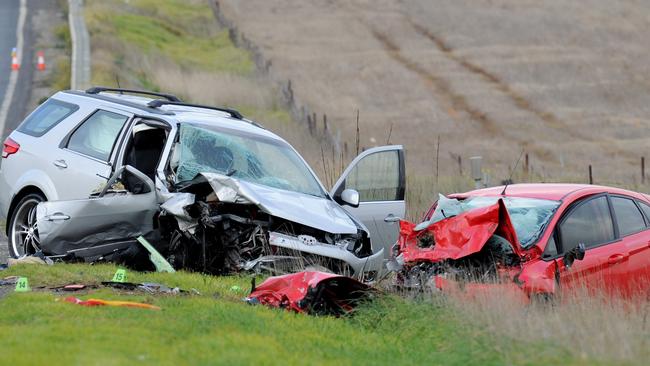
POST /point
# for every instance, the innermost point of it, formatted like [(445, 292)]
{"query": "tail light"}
[(10, 147)]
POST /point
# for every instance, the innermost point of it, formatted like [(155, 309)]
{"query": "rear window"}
[(46, 116)]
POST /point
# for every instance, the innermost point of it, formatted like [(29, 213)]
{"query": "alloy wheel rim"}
[(24, 231)]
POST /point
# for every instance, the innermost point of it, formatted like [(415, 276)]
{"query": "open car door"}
[(378, 175), (99, 225)]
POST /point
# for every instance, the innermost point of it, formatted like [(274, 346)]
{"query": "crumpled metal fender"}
[(310, 292), (537, 277), (459, 236)]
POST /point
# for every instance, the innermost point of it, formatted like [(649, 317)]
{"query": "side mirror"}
[(577, 253), (350, 197)]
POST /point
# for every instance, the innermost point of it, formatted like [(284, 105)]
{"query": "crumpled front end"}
[(224, 225), (476, 248)]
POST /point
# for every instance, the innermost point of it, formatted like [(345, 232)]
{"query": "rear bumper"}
[(359, 265)]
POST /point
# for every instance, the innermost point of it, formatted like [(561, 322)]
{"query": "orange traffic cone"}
[(40, 65), (14, 60)]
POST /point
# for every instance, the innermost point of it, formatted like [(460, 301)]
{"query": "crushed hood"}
[(458, 236), (316, 212)]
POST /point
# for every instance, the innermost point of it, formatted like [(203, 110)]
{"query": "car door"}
[(590, 222), (634, 229), (83, 160), (101, 224), (378, 174)]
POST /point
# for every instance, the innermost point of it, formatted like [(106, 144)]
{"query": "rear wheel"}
[(23, 229)]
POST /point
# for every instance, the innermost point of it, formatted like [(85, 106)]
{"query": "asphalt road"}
[(20, 88), (9, 20)]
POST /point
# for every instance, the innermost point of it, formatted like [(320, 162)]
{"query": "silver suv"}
[(90, 171)]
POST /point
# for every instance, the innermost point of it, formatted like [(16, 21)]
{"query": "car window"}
[(628, 217), (97, 135), (376, 177), (590, 223), (646, 209), (247, 157), (46, 116), (551, 247)]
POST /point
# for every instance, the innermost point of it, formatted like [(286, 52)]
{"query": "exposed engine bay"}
[(220, 232)]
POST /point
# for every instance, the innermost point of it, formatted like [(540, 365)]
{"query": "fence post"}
[(643, 170), (591, 176)]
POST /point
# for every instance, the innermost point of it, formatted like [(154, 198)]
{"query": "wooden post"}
[(437, 159), (310, 125), (591, 176), (460, 166), (358, 132), (526, 166), (643, 170), (325, 122)]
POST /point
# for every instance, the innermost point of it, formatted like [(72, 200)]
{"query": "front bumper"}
[(358, 265)]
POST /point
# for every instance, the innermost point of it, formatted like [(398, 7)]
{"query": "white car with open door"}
[(212, 190)]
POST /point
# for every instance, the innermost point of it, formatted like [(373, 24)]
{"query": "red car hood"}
[(459, 236)]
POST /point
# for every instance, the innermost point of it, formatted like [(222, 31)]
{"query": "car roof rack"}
[(156, 103), (99, 89)]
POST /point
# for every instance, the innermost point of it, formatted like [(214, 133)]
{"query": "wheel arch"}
[(17, 197)]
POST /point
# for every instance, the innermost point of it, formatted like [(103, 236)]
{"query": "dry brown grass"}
[(491, 78), (594, 328)]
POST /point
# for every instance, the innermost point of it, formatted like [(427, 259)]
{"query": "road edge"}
[(80, 66)]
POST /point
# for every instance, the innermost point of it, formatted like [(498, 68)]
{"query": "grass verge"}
[(216, 327)]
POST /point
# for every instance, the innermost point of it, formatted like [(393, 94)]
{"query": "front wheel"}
[(23, 229)]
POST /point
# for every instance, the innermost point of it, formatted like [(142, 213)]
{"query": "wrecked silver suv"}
[(211, 190)]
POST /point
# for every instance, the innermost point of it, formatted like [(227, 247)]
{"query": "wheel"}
[(23, 230)]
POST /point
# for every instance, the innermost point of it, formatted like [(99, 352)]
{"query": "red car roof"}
[(549, 191)]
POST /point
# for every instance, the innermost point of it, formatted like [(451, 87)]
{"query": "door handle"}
[(391, 218), (60, 164), (616, 258), (57, 216)]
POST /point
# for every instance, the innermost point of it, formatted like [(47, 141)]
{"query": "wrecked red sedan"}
[(532, 240)]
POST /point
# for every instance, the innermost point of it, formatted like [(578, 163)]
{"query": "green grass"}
[(185, 33), (216, 327)]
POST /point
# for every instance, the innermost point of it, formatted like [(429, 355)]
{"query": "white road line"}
[(13, 78)]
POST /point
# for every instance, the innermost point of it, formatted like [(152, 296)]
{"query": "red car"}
[(530, 239)]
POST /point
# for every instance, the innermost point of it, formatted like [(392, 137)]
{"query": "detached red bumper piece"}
[(315, 293)]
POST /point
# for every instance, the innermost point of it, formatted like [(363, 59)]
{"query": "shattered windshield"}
[(529, 216), (247, 157)]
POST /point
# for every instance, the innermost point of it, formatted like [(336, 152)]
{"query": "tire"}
[(22, 229)]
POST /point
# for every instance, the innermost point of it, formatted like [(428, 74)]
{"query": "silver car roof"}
[(175, 114)]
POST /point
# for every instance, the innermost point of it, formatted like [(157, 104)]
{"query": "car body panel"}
[(67, 226), (373, 214), (317, 212)]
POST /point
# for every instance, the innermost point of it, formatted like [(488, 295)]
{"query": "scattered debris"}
[(72, 287), (315, 293), (149, 287), (38, 258), (9, 281), (100, 302), (158, 260)]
